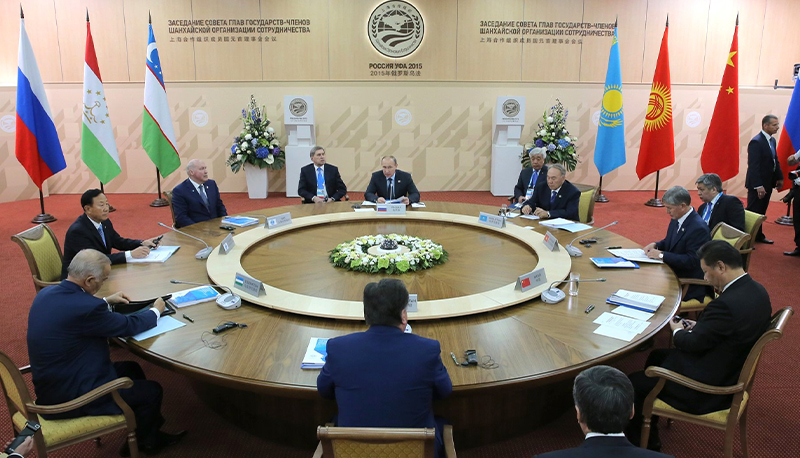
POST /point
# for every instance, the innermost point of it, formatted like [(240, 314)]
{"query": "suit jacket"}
[(728, 210), (525, 178), (680, 251), (82, 234), (760, 165), (403, 186), (715, 350), (334, 185), (68, 347), (605, 446), (566, 204), (188, 205)]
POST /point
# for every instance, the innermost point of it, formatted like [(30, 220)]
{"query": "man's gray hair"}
[(710, 180), (677, 195), (315, 149), (538, 152), (390, 157), (191, 165), (558, 167), (87, 263)]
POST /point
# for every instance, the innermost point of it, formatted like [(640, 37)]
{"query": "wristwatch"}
[(661, 256)]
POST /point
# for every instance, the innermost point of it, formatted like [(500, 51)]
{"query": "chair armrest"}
[(693, 281), (655, 371), (745, 250), (100, 391), (43, 284), (449, 445), (25, 369)]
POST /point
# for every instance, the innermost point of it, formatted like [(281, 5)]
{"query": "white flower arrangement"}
[(256, 144), (423, 254)]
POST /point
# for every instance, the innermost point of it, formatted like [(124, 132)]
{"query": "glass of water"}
[(573, 286)]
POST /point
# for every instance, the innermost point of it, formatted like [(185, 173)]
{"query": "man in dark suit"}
[(94, 230), (320, 181), (530, 178), (559, 199), (385, 377), (718, 207), (68, 332), (197, 198), (686, 233), (763, 170), (604, 404), (391, 184), (794, 159), (713, 349)]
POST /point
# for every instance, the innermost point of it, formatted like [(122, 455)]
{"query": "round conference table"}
[(252, 375)]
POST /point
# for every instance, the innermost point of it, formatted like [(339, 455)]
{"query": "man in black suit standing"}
[(604, 404), (530, 178), (196, 198), (320, 181), (391, 184), (794, 159), (713, 349), (559, 199), (718, 207), (94, 230), (763, 170)]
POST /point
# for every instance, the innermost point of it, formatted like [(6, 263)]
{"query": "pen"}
[(613, 247), (454, 358), (588, 309), (192, 321)]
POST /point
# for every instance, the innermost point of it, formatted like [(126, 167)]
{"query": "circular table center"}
[(377, 250)]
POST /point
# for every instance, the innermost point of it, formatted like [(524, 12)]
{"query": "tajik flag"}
[(158, 135), (98, 147)]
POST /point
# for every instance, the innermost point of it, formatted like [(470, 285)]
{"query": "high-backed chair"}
[(724, 419), (43, 253), (168, 196), (56, 434), (752, 223), (338, 442), (586, 206)]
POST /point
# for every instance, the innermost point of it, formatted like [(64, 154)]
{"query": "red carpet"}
[(774, 425)]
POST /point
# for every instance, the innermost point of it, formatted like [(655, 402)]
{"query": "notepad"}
[(633, 254), (639, 301), (165, 324), (316, 353), (605, 263), (158, 254), (240, 221), (418, 205)]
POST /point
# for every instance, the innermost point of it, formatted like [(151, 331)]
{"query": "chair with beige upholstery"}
[(752, 223), (56, 434), (43, 253), (168, 196), (586, 205), (724, 419), (384, 442)]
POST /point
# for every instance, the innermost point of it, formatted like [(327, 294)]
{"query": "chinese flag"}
[(658, 145), (721, 150)]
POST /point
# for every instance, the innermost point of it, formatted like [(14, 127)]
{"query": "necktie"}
[(707, 213), (102, 234), (320, 183), (202, 190), (390, 188), (552, 197), (534, 177), (774, 153)]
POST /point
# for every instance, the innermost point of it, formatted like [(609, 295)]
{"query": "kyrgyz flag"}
[(609, 149), (789, 143), (658, 145), (98, 147), (721, 149)]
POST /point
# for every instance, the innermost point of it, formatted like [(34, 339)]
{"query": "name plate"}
[(531, 279), (492, 220), (284, 219), (227, 244), (412, 303), (248, 284), (550, 241), (391, 209)]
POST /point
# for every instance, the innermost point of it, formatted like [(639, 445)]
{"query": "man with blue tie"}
[(763, 170), (197, 198), (718, 207), (320, 181), (559, 199), (532, 177), (391, 184)]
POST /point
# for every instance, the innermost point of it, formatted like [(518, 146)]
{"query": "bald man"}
[(197, 198)]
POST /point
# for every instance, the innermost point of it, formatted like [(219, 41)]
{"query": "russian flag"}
[(789, 142), (37, 146)]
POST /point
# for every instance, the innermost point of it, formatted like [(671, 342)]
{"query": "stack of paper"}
[(619, 327), (240, 221), (634, 300), (315, 353), (165, 324), (614, 262), (633, 254), (158, 254), (193, 296), (565, 224)]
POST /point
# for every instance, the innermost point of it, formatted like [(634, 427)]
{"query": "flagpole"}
[(159, 201), (655, 201), (787, 220), (599, 197), (43, 217), (110, 207)]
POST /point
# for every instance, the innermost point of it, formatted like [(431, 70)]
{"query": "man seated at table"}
[(530, 178), (686, 233), (603, 404), (391, 184), (197, 198), (718, 207), (320, 181), (385, 377), (559, 199), (94, 230), (68, 332)]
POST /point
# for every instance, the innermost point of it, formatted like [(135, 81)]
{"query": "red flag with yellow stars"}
[(658, 144), (721, 149)]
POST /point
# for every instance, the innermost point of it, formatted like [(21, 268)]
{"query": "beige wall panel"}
[(438, 51), (297, 56), (40, 23), (237, 61), (538, 60), (108, 32), (350, 49), (687, 38), (177, 59), (721, 21), (631, 28), (487, 61), (780, 48)]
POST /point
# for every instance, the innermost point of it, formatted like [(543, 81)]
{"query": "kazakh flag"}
[(609, 150)]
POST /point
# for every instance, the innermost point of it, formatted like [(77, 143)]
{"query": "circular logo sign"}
[(8, 123), (693, 119), (510, 108), (298, 107), (402, 117), (395, 29), (199, 118), (596, 118)]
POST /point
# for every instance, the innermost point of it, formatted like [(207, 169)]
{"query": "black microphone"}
[(228, 301), (575, 252), (202, 254), (554, 295)]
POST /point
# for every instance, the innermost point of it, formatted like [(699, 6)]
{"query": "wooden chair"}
[(56, 434), (586, 206), (724, 419), (168, 196), (752, 223), (383, 442), (43, 253)]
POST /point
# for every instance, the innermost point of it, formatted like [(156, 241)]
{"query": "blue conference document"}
[(316, 353), (619, 263)]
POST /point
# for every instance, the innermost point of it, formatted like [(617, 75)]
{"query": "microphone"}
[(554, 295), (575, 252), (202, 254), (228, 301)]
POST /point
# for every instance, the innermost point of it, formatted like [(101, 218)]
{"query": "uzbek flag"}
[(609, 150), (98, 146), (158, 134), (37, 146), (789, 142)]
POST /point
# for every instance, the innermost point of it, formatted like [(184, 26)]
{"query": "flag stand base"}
[(43, 218), (111, 208), (654, 203), (785, 220), (160, 202), (601, 198)]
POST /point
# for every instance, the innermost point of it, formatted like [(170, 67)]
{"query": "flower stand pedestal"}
[(257, 182)]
